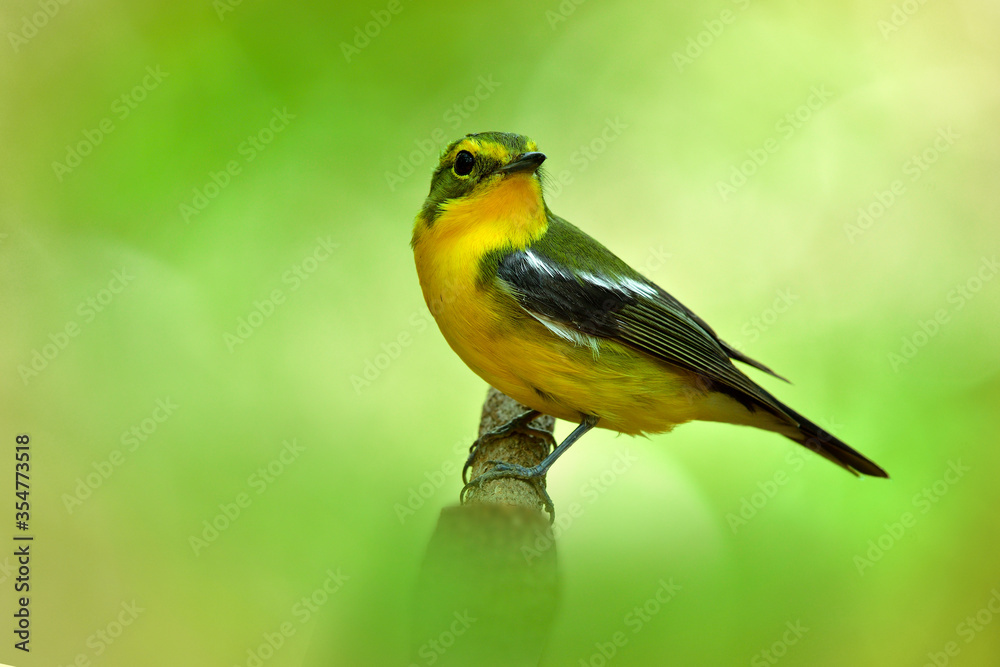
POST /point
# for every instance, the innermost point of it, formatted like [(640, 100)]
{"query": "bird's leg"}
[(520, 424), (536, 474)]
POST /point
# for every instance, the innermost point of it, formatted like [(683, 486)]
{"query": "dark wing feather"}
[(730, 351), (739, 356), (571, 279)]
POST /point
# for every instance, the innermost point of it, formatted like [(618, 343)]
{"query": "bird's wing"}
[(570, 279), (730, 351)]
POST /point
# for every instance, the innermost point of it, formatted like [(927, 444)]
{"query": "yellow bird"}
[(550, 317)]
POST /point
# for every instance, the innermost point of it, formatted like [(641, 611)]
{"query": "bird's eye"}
[(464, 163)]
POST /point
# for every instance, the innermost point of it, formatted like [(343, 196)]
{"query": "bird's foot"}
[(534, 476), (520, 424)]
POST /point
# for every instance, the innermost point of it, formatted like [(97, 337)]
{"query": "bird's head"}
[(496, 167)]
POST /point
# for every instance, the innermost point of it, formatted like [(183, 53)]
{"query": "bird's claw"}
[(520, 424), (501, 469)]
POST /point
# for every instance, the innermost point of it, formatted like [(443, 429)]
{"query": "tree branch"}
[(484, 578), (517, 448)]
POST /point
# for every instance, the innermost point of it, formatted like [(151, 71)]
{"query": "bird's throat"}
[(510, 213)]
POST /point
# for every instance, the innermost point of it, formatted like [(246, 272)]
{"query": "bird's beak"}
[(524, 162)]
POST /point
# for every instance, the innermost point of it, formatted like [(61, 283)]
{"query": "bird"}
[(553, 319)]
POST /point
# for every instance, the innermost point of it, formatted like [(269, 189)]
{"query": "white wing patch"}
[(619, 285), (638, 287), (536, 262), (572, 335)]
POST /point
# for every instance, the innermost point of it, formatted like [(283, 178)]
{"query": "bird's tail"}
[(777, 417), (818, 440)]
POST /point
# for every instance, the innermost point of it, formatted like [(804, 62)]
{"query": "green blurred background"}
[(216, 199)]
